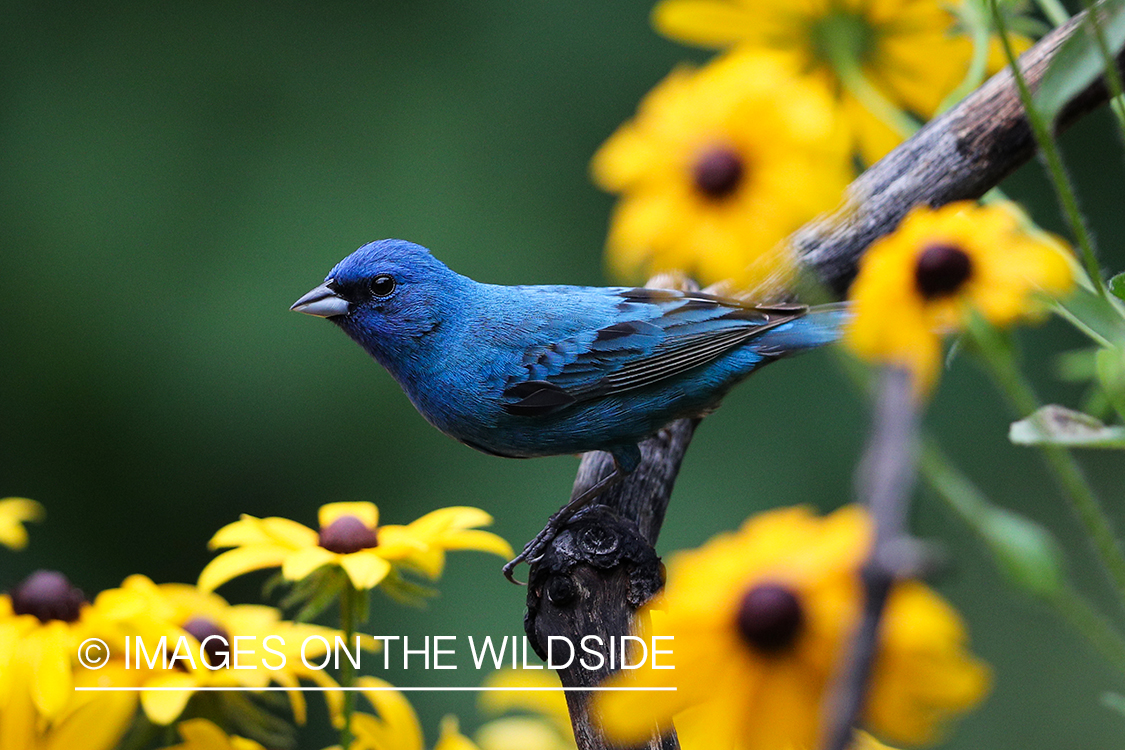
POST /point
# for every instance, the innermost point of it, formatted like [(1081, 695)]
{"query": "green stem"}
[(958, 491), (968, 502), (1054, 11), (1077, 611), (870, 97), (1112, 74), (1064, 469), (1080, 324), (347, 670), (1047, 146), (972, 17)]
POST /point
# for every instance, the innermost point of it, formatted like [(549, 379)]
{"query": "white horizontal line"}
[(320, 689)]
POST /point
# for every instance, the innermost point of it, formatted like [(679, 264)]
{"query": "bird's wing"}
[(658, 334)]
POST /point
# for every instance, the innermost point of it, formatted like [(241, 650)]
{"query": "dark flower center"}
[(941, 270), (718, 172), (347, 534), (770, 618), (201, 628), (48, 595)]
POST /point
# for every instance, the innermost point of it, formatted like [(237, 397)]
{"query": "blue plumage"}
[(526, 371)]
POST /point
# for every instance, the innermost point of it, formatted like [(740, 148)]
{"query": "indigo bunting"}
[(522, 371)]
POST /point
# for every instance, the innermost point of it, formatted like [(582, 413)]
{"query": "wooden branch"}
[(962, 154), (885, 481), (602, 567)]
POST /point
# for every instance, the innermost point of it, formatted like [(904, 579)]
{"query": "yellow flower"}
[(42, 622), (90, 721), (349, 537), (14, 513), (396, 726), (912, 52), (544, 723), (717, 168), (183, 614), (201, 734), (924, 279), (759, 620)]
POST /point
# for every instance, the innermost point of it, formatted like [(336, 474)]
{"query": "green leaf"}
[(273, 584), (1117, 286), (1026, 552), (1057, 425), (1094, 315), (1114, 702), (254, 721), (314, 593), (1079, 61), (1110, 364), (1077, 366), (405, 591)]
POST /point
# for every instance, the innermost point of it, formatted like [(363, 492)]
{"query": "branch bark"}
[(602, 567), (961, 155)]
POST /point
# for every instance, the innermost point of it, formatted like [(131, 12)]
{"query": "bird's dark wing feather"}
[(660, 333)]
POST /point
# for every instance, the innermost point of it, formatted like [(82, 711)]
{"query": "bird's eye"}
[(382, 285)]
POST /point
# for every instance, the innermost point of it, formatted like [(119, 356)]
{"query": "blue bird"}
[(523, 371)]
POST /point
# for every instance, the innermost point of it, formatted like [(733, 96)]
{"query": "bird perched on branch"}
[(523, 371)]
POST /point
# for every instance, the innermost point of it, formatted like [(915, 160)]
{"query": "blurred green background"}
[(172, 177)]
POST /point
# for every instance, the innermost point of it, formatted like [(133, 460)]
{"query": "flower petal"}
[(165, 706), (445, 519), (299, 565), (97, 725), (365, 568), (524, 732), (708, 23), (451, 737), (475, 539), (14, 512), (50, 660), (400, 729), (239, 561), (366, 512)]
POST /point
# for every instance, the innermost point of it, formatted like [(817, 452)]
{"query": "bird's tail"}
[(822, 324)]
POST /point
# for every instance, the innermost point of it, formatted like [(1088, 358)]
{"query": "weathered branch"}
[(962, 154), (602, 567)]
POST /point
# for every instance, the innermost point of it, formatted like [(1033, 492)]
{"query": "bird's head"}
[(386, 295)]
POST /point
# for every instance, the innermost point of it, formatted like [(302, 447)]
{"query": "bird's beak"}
[(322, 302)]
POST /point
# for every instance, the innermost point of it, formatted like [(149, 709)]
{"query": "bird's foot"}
[(532, 553), (534, 550)]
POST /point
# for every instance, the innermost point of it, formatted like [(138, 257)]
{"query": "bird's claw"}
[(532, 553), (509, 567)]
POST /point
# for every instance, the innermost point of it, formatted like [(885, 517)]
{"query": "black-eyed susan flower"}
[(911, 53), (351, 538), (42, 621), (717, 168), (14, 513), (207, 626), (924, 280), (760, 619), (201, 734)]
